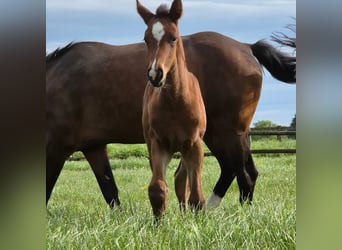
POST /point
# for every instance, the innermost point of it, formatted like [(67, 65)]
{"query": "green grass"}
[(79, 218)]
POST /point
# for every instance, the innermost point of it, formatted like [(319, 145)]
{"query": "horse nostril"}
[(148, 73), (155, 76), (159, 74)]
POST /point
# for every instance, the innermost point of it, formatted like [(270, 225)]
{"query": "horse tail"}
[(284, 40), (57, 53), (280, 65)]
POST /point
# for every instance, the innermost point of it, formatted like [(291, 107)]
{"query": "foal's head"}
[(162, 39)]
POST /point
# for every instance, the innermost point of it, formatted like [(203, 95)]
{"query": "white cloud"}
[(117, 6), (235, 8)]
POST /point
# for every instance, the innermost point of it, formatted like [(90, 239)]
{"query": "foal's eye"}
[(172, 40)]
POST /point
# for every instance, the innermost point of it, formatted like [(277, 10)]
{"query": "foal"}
[(174, 116)]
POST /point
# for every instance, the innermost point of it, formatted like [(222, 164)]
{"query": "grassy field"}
[(78, 217)]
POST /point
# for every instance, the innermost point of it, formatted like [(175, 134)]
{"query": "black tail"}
[(284, 40), (280, 65)]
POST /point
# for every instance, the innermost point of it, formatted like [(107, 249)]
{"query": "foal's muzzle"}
[(155, 77)]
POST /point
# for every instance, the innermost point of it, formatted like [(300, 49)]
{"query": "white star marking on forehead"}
[(158, 31)]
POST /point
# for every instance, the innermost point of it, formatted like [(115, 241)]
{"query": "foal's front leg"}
[(157, 190), (193, 161)]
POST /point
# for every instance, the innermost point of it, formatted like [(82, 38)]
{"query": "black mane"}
[(58, 52)]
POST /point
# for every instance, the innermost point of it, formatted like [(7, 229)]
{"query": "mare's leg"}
[(98, 160), (54, 165), (253, 173), (157, 190), (192, 158), (246, 173), (232, 152), (181, 185), (220, 144)]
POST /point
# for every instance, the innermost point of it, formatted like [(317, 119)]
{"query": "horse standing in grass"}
[(173, 116), (94, 95)]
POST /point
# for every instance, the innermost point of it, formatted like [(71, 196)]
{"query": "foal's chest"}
[(174, 126), (172, 119)]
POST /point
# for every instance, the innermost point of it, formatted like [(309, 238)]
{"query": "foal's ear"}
[(144, 12), (176, 10)]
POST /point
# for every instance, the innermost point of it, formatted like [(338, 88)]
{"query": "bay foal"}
[(173, 116)]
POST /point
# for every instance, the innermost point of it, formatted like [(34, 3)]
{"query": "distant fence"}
[(277, 131), (274, 131)]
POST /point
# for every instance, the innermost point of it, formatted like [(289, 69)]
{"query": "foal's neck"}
[(177, 77)]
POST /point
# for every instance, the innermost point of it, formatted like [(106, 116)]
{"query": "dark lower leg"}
[(219, 145), (54, 165), (97, 157), (221, 187), (253, 174), (245, 186)]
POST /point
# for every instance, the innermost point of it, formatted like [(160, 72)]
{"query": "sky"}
[(117, 22)]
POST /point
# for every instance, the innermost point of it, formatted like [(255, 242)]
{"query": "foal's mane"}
[(162, 11), (57, 53)]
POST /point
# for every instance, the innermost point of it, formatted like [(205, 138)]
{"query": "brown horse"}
[(173, 116), (94, 95)]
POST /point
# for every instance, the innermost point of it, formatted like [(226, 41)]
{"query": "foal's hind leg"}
[(193, 162), (98, 160), (181, 185)]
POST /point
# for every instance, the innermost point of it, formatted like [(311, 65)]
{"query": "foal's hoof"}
[(196, 206), (182, 207), (157, 193), (158, 214), (158, 218)]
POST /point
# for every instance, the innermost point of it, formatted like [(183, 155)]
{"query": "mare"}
[(173, 117), (94, 96)]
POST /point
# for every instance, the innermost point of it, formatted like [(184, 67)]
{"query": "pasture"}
[(79, 218)]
